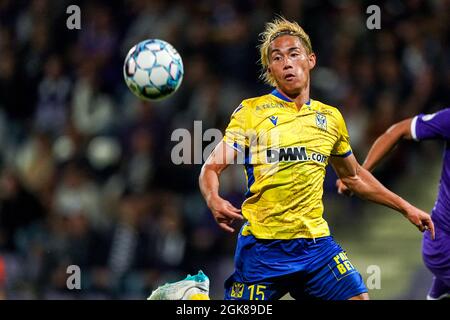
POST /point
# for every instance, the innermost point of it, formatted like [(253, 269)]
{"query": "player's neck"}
[(300, 99)]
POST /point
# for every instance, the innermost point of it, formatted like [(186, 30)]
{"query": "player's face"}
[(289, 63)]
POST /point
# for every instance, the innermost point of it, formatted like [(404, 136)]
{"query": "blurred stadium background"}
[(86, 175)]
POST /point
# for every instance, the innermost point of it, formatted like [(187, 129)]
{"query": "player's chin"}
[(291, 87), (296, 81)]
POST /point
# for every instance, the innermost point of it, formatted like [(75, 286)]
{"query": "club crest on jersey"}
[(237, 290), (321, 121)]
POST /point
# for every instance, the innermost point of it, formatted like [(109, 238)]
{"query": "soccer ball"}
[(153, 69)]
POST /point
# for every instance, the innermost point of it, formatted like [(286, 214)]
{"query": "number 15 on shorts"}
[(256, 291)]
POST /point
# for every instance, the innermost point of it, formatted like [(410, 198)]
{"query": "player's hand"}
[(342, 188), (224, 213), (421, 220)]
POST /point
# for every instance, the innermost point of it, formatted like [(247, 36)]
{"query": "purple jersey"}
[(437, 126)]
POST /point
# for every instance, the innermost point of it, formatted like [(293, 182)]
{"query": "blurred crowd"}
[(86, 174)]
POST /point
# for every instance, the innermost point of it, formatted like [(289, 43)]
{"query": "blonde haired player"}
[(286, 140)]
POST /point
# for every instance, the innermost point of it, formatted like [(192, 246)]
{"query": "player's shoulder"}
[(252, 103), (258, 100), (444, 113), (327, 109)]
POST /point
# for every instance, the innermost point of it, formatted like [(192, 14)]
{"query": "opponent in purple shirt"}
[(436, 253)]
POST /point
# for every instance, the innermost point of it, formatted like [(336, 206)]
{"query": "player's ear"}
[(312, 60)]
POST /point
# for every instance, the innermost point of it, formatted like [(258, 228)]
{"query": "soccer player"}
[(436, 254), (285, 140)]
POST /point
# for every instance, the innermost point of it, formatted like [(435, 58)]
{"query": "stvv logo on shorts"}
[(237, 290)]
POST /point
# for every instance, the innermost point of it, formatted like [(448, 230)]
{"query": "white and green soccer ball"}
[(153, 69)]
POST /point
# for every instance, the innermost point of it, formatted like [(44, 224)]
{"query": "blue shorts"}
[(304, 268)]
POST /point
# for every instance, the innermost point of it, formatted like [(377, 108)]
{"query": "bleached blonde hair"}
[(278, 27)]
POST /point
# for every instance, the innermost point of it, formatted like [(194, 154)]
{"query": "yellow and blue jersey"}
[(285, 151)]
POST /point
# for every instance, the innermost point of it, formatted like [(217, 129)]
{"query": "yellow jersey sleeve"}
[(342, 146), (236, 133)]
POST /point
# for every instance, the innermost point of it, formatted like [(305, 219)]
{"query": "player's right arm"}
[(226, 152), (223, 211), (381, 147)]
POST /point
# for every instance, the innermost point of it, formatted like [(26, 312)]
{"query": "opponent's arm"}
[(223, 211), (364, 184), (386, 142), (381, 147)]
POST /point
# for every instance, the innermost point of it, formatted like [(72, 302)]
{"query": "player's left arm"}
[(365, 185)]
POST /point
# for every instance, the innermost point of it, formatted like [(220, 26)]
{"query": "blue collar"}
[(278, 94)]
